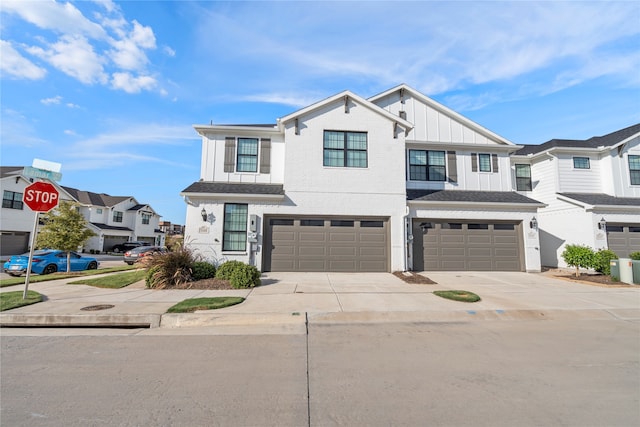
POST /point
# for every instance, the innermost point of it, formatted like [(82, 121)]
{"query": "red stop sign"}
[(40, 196)]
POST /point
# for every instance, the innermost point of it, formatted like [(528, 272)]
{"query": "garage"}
[(442, 245), (14, 242), (623, 238), (326, 244)]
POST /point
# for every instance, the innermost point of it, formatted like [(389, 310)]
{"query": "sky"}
[(111, 90)]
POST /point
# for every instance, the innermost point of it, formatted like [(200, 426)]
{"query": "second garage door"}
[(466, 246), (623, 239), (326, 244)]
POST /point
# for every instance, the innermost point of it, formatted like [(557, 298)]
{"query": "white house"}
[(591, 189), (393, 182), (113, 219)]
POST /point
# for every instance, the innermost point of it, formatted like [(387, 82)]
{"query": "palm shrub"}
[(201, 270), (602, 261), (172, 268), (225, 270), (578, 256), (148, 280)]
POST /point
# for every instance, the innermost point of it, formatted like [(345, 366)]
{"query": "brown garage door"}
[(14, 242), (466, 245), (623, 238), (322, 244)]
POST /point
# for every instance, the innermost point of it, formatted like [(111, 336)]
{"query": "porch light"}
[(602, 224), (204, 215), (533, 223)]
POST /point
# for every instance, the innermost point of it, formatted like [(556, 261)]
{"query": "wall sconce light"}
[(204, 215), (533, 223), (602, 224)]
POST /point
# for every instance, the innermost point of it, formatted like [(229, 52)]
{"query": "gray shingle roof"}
[(234, 188), (6, 171), (95, 199), (110, 227), (599, 199), (608, 140), (469, 196)]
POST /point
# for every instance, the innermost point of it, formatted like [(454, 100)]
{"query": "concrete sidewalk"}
[(293, 299)]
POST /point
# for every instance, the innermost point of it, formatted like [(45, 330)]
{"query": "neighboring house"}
[(113, 219), (591, 189), (394, 182), (170, 229)]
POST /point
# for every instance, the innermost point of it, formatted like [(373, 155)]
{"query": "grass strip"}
[(55, 276), (212, 303), (455, 295), (113, 281), (9, 300)]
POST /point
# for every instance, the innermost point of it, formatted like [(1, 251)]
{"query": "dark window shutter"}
[(265, 155), (494, 160), (474, 162), (453, 166), (229, 154)]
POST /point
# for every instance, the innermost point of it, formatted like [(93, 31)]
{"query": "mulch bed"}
[(593, 279), (414, 278)]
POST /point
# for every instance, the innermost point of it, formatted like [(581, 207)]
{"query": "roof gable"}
[(94, 199)]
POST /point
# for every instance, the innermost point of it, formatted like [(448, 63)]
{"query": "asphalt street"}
[(480, 373)]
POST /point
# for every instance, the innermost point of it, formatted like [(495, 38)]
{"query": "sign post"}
[(40, 197)]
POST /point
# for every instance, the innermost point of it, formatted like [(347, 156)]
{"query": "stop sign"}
[(40, 196)]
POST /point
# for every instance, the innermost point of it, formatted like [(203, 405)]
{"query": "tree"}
[(65, 229), (578, 256)]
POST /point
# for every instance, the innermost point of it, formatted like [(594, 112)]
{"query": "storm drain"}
[(98, 307)]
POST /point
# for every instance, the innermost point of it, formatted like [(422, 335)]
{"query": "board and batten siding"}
[(578, 180)]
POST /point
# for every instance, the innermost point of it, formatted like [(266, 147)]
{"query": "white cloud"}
[(18, 66), (70, 132), (73, 55), (131, 84), (49, 101), (167, 50)]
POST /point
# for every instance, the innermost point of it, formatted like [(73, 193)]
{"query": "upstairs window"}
[(345, 149), (145, 218), (581, 163), (234, 235), (247, 155), (634, 169), (12, 200), (523, 177), (117, 216), (484, 162), (427, 165)]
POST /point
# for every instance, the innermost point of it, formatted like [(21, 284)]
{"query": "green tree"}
[(65, 229), (578, 256)]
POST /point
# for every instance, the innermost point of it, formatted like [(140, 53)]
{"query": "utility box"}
[(615, 269), (635, 267), (626, 272)]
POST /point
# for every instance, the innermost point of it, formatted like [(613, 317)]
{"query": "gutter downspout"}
[(407, 241)]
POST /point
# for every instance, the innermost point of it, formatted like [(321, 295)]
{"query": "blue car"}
[(47, 261)]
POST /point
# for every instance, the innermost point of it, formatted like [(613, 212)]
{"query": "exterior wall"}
[(16, 219), (620, 170), (530, 238), (572, 180)]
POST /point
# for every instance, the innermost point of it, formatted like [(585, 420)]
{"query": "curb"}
[(80, 320), (186, 320)]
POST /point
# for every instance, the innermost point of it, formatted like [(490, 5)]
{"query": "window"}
[(145, 218), (523, 177), (12, 200), (345, 149), (477, 226), (509, 227), (288, 222), (484, 161), (117, 216), (634, 169), (247, 155), (371, 224), (581, 163), (312, 222), (235, 227), (426, 165), (98, 211), (342, 223)]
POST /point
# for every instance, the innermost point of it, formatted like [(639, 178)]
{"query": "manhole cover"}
[(98, 307)]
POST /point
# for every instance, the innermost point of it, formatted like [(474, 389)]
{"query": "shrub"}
[(227, 268), (578, 256), (635, 256), (148, 280), (171, 269), (245, 276), (602, 261), (201, 270)]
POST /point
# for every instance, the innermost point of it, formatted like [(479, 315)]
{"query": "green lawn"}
[(37, 278), (9, 300), (463, 296), (193, 304), (113, 281)]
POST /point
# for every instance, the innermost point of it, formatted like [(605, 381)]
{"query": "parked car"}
[(136, 254), (47, 261), (123, 247)]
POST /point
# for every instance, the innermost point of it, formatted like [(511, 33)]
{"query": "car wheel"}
[(92, 265), (51, 268), (130, 263), (116, 250), (15, 274)]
